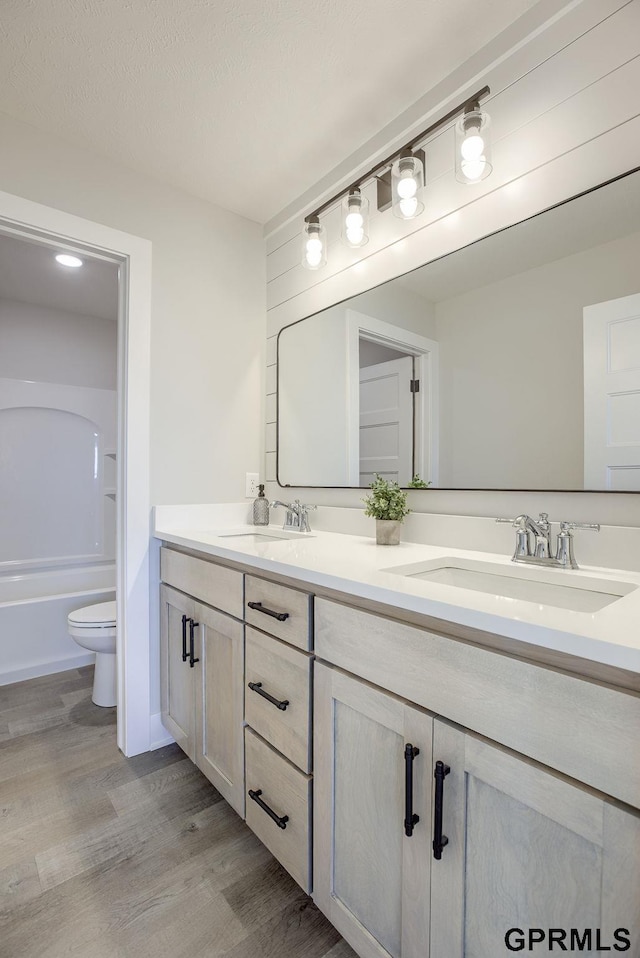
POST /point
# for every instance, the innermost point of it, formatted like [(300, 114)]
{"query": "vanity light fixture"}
[(355, 219), (314, 244), (400, 180), (65, 259), (473, 145)]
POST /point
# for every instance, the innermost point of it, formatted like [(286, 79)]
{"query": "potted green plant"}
[(387, 504)]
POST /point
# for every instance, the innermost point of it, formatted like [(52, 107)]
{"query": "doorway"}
[(392, 402), (71, 234), (387, 414)]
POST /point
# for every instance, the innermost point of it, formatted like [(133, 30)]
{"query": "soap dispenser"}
[(261, 508)]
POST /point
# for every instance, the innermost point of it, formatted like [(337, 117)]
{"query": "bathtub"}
[(34, 605)]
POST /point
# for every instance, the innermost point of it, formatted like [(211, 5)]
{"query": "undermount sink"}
[(256, 535), (555, 587)]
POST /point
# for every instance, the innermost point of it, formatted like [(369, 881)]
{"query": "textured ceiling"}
[(29, 274), (245, 103)]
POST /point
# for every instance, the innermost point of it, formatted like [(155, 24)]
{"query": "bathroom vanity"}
[(472, 762)]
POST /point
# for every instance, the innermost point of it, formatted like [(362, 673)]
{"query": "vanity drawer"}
[(287, 794), (284, 612), (284, 673), (211, 583)]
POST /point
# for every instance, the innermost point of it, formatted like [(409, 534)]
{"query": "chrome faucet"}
[(538, 551), (297, 515)]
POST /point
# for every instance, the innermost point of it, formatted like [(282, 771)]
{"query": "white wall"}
[(521, 338), (41, 345), (207, 334), (52, 346), (313, 401), (398, 306), (565, 118)]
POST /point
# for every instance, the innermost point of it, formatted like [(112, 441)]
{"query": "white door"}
[(386, 421), (612, 395)]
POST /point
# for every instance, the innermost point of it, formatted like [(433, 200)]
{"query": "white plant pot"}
[(388, 532)]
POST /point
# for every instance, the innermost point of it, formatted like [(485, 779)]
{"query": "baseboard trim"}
[(47, 668), (158, 735)]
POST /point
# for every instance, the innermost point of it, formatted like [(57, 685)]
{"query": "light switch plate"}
[(251, 485)]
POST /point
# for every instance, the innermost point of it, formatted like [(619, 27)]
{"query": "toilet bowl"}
[(94, 628)]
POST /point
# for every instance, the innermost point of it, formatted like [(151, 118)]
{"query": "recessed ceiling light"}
[(65, 260)]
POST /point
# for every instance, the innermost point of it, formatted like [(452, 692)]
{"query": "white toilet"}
[(94, 628)]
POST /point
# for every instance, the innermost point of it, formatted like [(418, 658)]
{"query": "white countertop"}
[(355, 564)]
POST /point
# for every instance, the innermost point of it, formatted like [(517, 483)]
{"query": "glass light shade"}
[(355, 220), (407, 184), (314, 244), (473, 147)]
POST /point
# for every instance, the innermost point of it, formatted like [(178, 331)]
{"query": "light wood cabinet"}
[(520, 846), (279, 807), (214, 584), (278, 696), (280, 610), (584, 729), (178, 679), (371, 879), (278, 742), (526, 848), (202, 694), (542, 784), (219, 704)]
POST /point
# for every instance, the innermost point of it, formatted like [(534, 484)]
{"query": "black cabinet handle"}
[(185, 654), (410, 820), (192, 627), (281, 821), (259, 607), (257, 687), (439, 840)]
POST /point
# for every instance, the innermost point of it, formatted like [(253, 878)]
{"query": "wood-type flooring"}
[(107, 857)]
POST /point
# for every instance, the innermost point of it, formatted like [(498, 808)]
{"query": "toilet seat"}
[(100, 616), (93, 622)]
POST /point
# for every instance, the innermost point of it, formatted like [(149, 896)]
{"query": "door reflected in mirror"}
[(513, 363)]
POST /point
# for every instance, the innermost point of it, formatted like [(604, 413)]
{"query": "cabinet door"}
[(370, 879), (177, 677), (527, 849), (220, 703)]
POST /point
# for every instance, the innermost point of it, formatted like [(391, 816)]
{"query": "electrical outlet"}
[(252, 480)]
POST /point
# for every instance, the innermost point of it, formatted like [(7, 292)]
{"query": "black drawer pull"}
[(439, 840), (185, 654), (192, 627), (259, 607), (281, 821), (410, 820), (257, 687)]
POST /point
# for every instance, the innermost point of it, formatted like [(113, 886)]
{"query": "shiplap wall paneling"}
[(504, 61), (596, 160), (602, 104)]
